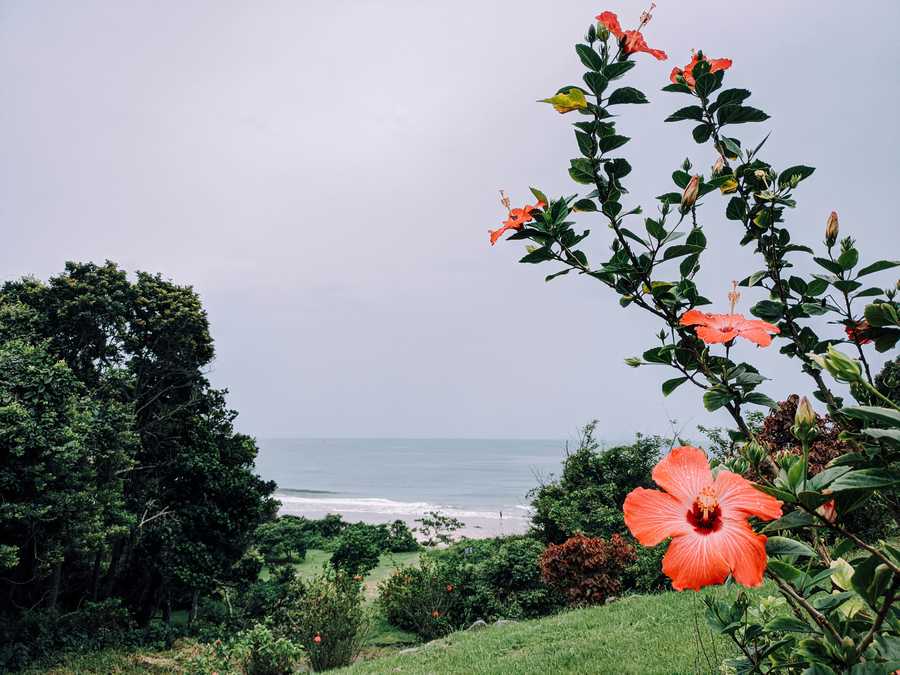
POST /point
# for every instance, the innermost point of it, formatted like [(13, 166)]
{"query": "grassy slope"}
[(639, 634)]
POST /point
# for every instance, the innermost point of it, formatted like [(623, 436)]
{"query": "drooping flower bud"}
[(828, 510), (633, 361), (689, 196), (804, 421), (754, 452), (719, 166), (840, 366), (831, 229)]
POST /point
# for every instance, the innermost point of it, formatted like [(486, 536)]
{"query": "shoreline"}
[(374, 511)]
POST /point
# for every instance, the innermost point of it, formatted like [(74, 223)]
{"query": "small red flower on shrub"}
[(632, 41), (857, 332), (587, 570), (686, 74), (317, 639), (449, 588), (435, 614), (517, 218)]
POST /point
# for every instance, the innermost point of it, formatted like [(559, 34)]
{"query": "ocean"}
[(483, 483)]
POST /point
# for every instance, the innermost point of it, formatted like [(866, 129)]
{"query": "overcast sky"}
[(324, 174)]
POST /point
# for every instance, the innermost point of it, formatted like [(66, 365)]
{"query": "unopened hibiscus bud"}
[(804, 421), (840, 366), (602, 32), (633, 361), (831, 229), (689, 196), (719, 166), (754, 452)]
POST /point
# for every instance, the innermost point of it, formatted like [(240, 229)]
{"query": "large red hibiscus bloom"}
[(706, 519)]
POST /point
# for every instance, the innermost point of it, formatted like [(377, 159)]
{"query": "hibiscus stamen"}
[(734, 296), (647, 15)]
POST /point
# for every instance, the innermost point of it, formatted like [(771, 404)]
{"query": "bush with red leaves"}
[(587, 570), (776, 435)]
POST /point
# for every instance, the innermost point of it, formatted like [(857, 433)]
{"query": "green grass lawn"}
[(665, 634)]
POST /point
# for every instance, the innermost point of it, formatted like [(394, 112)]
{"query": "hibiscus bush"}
[(783, 506)]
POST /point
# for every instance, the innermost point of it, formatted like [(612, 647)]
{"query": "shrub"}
[(587, 570), (645, 574), (421, 599), (358, 549), (400, 538), (472, 579), (262, 652), (326, 616), (589, 494), (285, 539)]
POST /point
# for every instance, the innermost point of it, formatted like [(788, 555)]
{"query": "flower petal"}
[(756, 336), (742, 549), (683, 473), (738, 498), (693, 317), (652, 516), (694, 561), (713, 336), (611, 22)]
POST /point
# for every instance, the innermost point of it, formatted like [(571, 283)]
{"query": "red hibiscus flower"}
[(317, 639), (517, 218), (686, 74), (706, 518), (722, 328), (632, 41), (857, 332)]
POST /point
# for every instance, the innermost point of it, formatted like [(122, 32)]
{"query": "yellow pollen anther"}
[(706, 503)]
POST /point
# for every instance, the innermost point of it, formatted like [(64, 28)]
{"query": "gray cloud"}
[(324, 173)]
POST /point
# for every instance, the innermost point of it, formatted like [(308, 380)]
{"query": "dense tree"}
[(121, 473)]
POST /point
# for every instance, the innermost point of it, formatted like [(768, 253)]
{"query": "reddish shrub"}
[(777, 436), (587, 570)]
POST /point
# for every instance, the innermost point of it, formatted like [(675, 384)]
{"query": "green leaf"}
[(538, 255), (873, 414), (848, 259), (596, 82), (791, 521), (785, 546), (691, 112), (768, 310), (678, 88), (702, 132), (608, 143), (738, 114), (586, 144), (627, 95), (589, 57), (671, 385), (816, 287), (713, 399), (581, 171), (736, 210), (736, 96), (706, 84), (865, 479), (829, 265), (877, 267), (789, 624), (800, 171), (760, 399), (585, 205), (784, 570), (617, 69), (540, 196), (567, 101)]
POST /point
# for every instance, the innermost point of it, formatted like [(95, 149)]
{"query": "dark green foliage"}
[(472, 579), (400, 538), (283, 540), (359, 548), (589, 494), (888, 380), (119, 464)]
